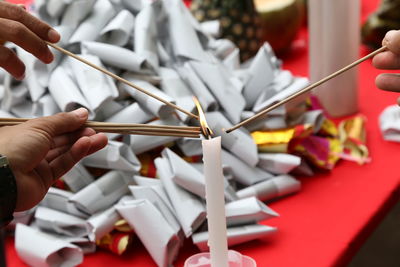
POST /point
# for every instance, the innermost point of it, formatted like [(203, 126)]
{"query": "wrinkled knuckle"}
[(16, 12)]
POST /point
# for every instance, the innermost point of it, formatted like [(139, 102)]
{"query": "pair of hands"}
[(40, 150)]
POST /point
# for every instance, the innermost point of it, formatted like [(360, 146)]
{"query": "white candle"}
[(334, 43), (214, 180)]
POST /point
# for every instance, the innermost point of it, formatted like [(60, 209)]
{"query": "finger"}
[(56, 152), (19, 34), (61, 123), (40, 28), (71, 138), (388, 82), (386, 60), (62, 164), (99, 141), (11, 63), (392, 41)]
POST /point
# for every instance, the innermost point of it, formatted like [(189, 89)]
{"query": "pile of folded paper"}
[(160, 47)]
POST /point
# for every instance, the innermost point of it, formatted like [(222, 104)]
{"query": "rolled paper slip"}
[(271, 189), (243, 172), (157, 108), (229, 99), (237, 235), (61, 223), (22, 217), (115, 56), (239, 143), (190, 147), (96, 87), (83, 243), (57, 199), (151, 194), (77, 178), (247, 211), (45, 106), (102, 223), (66, 92), (76, 12), (116, 156), (296, 86), (45, 250), (119, 29), (145, 34), (262, 73), (36, 74), (389, 122), (161, 242), (221, 48), (188, 177), (268, 121), (23, 110), (232, 61), (278, 163), (2, 75), (55, 8), (189, 209), (211, 27), (102, 193), (183, 37), (196, 85), (89, 29), (131, 114), (12, 97)]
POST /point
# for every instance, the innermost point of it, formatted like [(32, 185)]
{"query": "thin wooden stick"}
[(62, 50), (306, 89), (127, 128)]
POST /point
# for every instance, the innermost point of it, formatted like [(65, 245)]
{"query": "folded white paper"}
[(61, 223), (262, 72), (89, 30), (57, 199), (102, 193), (115, 56), (96, 87), (189, 146), (271, 189), (389, 122), (243, 172), (189, 210), (77, 178), (42, 250), (65, 91), (247, 211), (145, 35), (278, 163), (236, 235), (230, 100), (14, 94), (76, 12), (116, 155), (119, 29), (238, 142), (154, 231), (102, 223), (156, 107), (45, 106)]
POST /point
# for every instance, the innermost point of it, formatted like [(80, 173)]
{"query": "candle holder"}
[(235, 259)]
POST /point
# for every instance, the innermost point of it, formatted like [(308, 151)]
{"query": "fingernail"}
[(53, 35), (388, 37), (81, 113)]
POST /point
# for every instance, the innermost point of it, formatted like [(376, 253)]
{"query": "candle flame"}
[(207, 132)]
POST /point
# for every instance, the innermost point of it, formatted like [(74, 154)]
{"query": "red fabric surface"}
[(328, 220)]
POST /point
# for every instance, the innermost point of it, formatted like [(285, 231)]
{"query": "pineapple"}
[(239, 21)]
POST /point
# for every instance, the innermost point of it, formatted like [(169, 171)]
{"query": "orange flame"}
[(207, 132)]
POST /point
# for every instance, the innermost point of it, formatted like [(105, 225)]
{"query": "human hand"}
[(42, 150), (26, 31), (389, 60)]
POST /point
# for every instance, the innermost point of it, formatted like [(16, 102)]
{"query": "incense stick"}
[(62, 50), (127, 128), (306, 89)]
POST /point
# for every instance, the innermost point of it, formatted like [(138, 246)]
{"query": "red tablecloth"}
[(329, 219)]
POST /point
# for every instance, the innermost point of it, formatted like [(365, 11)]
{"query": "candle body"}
[(215, 200), (334, 43)]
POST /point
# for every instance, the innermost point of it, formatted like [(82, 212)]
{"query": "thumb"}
[(61, 123), (392, 41)]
